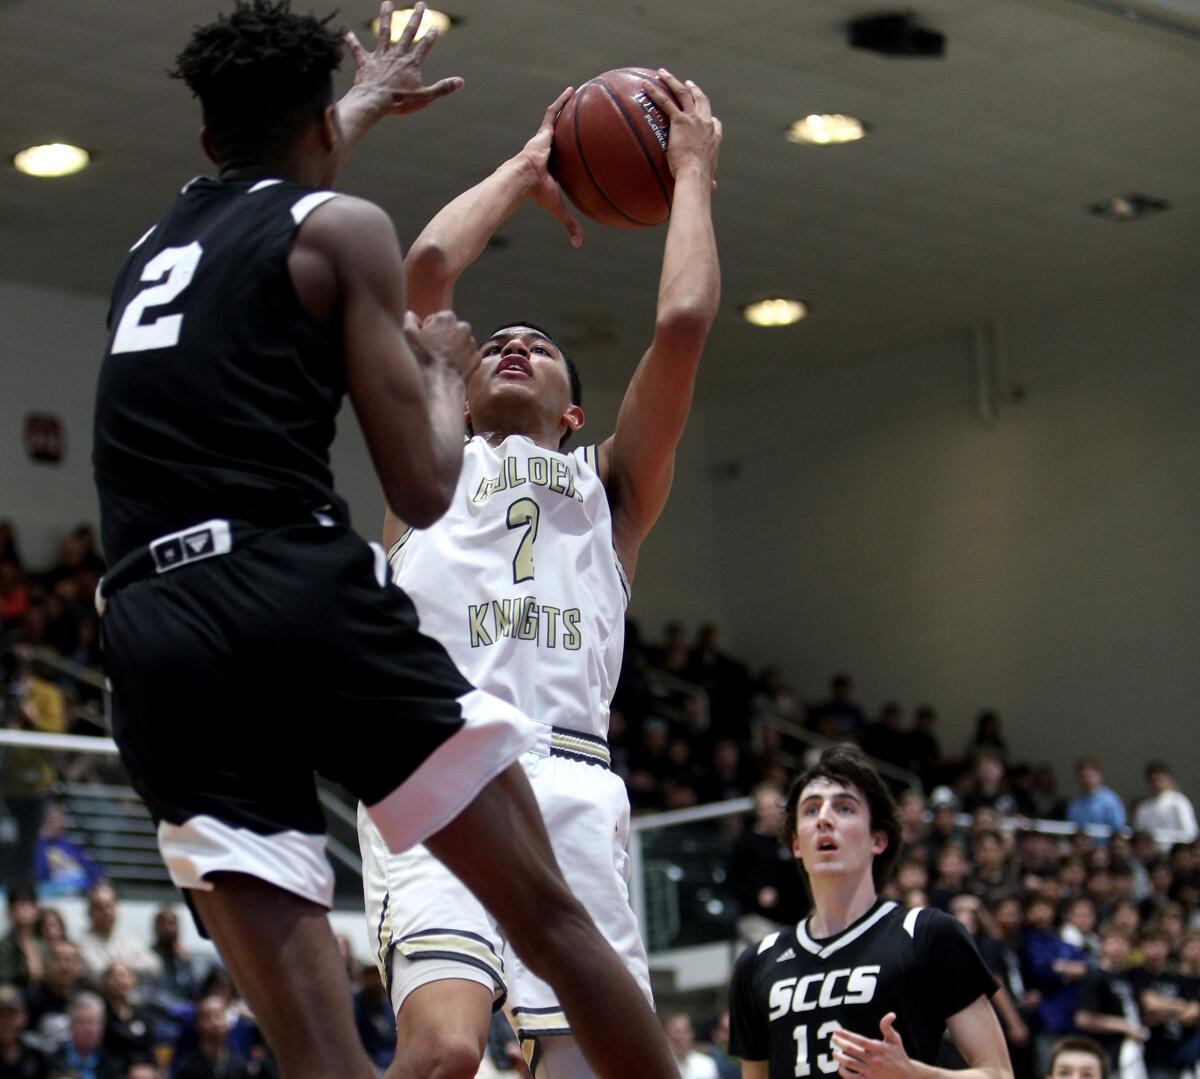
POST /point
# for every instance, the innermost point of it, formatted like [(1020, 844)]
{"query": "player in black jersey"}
[(862, 987), (251, 636)]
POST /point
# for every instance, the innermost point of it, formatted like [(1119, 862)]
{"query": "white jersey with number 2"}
[(521, 583)]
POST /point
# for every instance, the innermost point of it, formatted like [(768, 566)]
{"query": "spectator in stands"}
[(14, 595), (1054, 968), (21, 960), (762, 871), (729, 775), (102, 944), (994, 872), (1161, 879), (50, 927), (987, 785), (725, 680), (727, 1067), (1044, 796), (950, 875), (48, 1002), (884, 740), (772, 699), (692, 1063), (179, 976), (924, 751), (1108, 1007), (128, 1026), (1079, 926), (840, 716), (373, 1017), (27, 775), (1095, 804), (1163, 997), (914, 828), (212, 1058), (63, 867), (647, 765), (84, 1054), (987, 736), (1078, 1058), (944, 826), (18, 1059), (1167, 808), (143, 1069)]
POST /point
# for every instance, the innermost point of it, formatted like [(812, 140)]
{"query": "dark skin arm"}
[(406, 378)]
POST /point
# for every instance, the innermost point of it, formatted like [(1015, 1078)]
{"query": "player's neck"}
[(494, 438), (839, 902)]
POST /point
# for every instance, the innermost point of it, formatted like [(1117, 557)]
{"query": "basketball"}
[(610, 151)]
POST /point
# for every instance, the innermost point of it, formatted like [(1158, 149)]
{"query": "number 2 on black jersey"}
[(178, 264)]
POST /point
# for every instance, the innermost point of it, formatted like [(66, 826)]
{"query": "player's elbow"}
[(684, 324), (427, 259)]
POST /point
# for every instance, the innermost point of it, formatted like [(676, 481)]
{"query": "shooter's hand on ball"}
[(391, 75), (543, 188), (695, 134)]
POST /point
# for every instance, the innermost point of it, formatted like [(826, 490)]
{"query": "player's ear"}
[(207, 146), (574, 417), (331, 133), (880, 843), (796, 848)]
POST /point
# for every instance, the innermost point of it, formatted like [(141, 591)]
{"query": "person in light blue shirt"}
[(1096, 803)]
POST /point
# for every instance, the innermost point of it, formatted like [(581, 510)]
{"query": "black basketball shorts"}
[(236, 677)]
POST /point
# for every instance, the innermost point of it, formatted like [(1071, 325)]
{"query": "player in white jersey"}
[(525, 581)]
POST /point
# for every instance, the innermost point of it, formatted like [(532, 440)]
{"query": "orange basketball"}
[(610, 150)]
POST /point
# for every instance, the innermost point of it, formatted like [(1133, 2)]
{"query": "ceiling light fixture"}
[(774, 311), (826, 129), (51, 160), (430, 20), (1128, 207)]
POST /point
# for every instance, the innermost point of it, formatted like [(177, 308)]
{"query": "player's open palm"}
[(394, 68), (695, 135), (859, 1057)]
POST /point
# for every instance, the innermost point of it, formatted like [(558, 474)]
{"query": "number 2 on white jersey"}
[(524, 513), (178, 263)]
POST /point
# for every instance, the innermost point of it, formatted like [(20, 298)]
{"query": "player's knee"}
[(445, 1055)]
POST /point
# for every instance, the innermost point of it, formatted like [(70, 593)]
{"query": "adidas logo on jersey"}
[(830, 989), (789, 954)]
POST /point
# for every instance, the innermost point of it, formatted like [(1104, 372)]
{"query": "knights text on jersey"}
[(790, 993), (519, 580)]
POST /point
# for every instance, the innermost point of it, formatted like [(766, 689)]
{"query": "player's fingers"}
[(665, 102), (849, 1041), (385, 24), (410, 28), (559, 104), (425, 44), (354, 48), (439, 89), (888, 1026), (682, 94), (703, 105), (570, 222)]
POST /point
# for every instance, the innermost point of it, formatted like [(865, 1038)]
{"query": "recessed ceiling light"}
[(53, 159), (826, 129), (429, 20), (774, 311), (1128, 207)]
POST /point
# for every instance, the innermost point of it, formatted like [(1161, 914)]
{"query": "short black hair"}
[(572, 370), (850, 766), (261, 73)]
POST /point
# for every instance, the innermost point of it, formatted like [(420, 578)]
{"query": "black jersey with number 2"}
[(218, 392), (791, 992)]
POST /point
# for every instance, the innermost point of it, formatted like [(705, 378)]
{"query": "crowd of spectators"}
[(1093, 930)]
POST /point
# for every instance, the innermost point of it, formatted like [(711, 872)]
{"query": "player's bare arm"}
[(638, 462), (756, 1069), (975, 1030), (388, 81), (458, 234), (406, 379)]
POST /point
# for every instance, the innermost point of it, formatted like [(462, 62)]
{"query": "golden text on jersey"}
[(519, 580)]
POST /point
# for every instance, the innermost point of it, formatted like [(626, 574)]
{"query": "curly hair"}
[(849, 766), (261, 73)]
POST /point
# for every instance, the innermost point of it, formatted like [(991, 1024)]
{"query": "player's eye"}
[(489, 349), (541, 348)]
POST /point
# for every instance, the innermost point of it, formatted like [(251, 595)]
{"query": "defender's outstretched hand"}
[(394, 68), (442, 342), (695, 135), (544, 189)]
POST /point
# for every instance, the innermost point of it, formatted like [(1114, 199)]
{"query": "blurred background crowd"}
[(1085, 901)]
